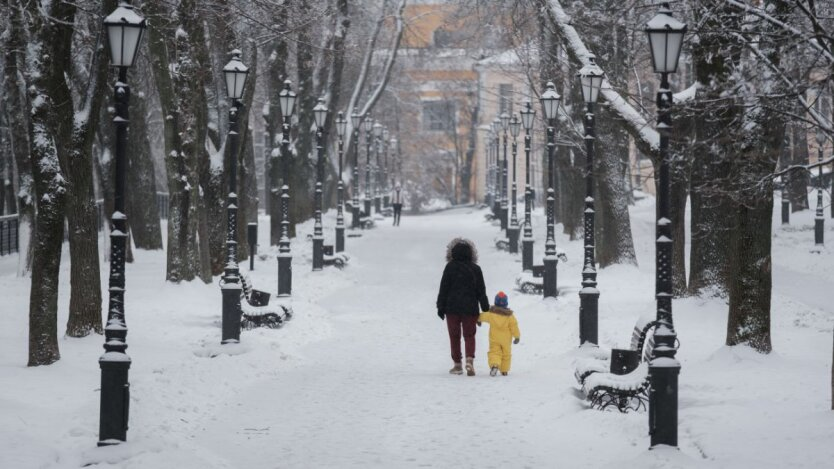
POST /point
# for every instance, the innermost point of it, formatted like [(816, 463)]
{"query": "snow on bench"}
[(257, 312)]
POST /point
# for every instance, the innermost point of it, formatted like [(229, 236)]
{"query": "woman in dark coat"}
[(462, 291)]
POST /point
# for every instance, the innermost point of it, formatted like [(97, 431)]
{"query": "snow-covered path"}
[(377, 393), (359, 377)]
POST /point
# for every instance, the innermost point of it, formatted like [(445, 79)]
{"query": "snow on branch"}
[(781, 24), (636, 123)]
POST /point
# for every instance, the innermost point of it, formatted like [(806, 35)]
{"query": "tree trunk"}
[(614, 243), (678, 193), (50, 187), (76, 157), (141, 180), (797, 153), (16, 98), (750, 288), (181, 98), (276, 73)]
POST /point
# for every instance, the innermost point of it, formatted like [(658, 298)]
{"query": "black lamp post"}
[(527, 116), (665, 35), (395, 161), (369, 125), (124, 32), (512, 231), (386, 189), (496, 153), (356, 121), (378, 130), (504, 120), (235, 73), (550, 103), (786, 203), (341, 129), (488, 170), (590, 80), (819, 218), (286, 99), (320, 116)]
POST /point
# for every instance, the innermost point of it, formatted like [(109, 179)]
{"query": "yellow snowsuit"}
[(502, 328)]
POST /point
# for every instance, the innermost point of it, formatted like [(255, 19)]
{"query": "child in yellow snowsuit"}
[(503, 327)]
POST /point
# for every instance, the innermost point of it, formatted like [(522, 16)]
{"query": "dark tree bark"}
[(50, 186), (143, 215), (76, 131), (748, 321), (246, 182), (797, 154), (16, 98), (302, 177), (714, 120), (182, 98), (276, 73)]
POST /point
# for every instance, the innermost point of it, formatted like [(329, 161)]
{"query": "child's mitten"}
[(517, 340)]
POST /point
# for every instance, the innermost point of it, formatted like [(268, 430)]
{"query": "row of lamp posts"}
[(125, 28), (665, 35)]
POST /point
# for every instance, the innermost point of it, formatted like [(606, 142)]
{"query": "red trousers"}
[(467, 325)]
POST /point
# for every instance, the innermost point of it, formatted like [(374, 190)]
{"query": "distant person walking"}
[(397, 202), (462, 291)]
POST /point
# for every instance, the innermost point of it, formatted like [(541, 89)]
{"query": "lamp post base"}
[(527, 253), (786, 212), (386, 201), (367, 207), (318, 253), (284, 274), (115, 398), (512, 234), (550, 288), (354, 222), (231, 312), (663, 401), (819, 231), (340, 238), (503, 212), (588, 315), (378, 204)]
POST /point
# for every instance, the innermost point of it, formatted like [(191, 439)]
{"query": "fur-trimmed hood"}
[(461, 249), (500, 310)]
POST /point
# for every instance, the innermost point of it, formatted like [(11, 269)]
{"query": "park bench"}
[(532, 281), (502, 244), (623, 380), (257, 312), (336, 259), (592, 359)]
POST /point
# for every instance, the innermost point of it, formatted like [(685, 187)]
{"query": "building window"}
[(505, 97), (438, 115)]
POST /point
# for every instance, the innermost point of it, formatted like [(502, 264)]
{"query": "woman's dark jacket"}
[(462, 286)]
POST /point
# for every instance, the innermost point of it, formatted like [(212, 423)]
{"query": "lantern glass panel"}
[(124, 33), (515, 126), (320, 114), (369, 124), (505, 120), (527, 115), (341, 125), (377, 130), (287, 99), (665, 40), (356, 120)]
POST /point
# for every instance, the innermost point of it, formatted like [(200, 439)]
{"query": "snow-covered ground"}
[(359, 377)]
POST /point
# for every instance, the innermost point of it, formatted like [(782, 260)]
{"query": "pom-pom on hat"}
[(502, 300)]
